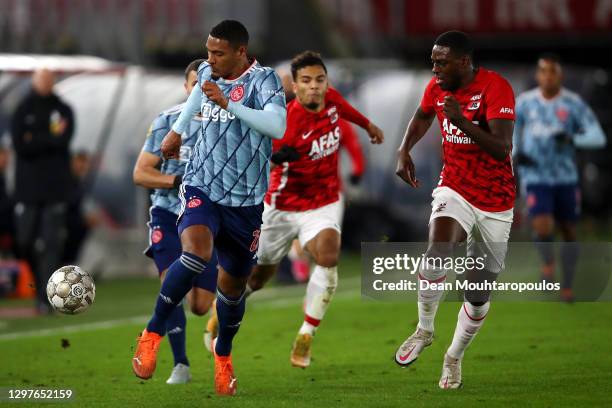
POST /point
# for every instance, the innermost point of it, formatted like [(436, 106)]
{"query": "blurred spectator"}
[(81, 216), (551, 123), (41, 129), (7, 227)]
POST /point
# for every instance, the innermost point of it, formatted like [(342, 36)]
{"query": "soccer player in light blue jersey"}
[(164, 177), (243, 107), (551, 123)]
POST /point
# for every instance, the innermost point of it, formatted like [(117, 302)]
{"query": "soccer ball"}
[(71, 290)]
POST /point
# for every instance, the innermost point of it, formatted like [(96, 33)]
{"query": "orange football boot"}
[(145, 357), (225, 381)]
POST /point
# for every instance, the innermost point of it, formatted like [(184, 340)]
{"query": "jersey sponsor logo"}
[(476, 97), (194, 203), (474, 106), (156, 236), (305, 135), (237, 93), (216, 114), (452, 134), (507, 110), (325, 145)]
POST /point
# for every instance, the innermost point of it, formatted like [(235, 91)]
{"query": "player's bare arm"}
[(497, 142), (147, 173), (171, 145), (376, 134), (417, 127)]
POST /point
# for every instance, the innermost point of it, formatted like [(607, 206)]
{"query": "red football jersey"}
[(484, 182), (312, 181)]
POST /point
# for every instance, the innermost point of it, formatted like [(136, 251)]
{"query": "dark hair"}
[(550, 56), (459, 42), (193, 66), (306, 59), (232, 31)]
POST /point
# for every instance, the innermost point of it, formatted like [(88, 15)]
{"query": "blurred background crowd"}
[(115, 64)]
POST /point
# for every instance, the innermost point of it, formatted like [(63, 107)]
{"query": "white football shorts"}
[(493, 227), (279, 228)]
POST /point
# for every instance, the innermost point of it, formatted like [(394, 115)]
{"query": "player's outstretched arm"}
[(497, 142), (348, 112), (147, 174), (417, 128)]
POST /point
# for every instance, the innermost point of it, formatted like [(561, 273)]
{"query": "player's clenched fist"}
[(376, 134), (452, 110), (214, 93), (171, 145), (405, 170)]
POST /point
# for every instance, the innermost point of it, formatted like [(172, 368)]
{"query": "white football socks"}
[(469, 321), (319, 292), (429, 299)]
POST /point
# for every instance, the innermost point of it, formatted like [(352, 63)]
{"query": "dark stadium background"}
[(369, 43), (121, 62)]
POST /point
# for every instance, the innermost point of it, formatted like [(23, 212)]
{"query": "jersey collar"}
[(250, 69)]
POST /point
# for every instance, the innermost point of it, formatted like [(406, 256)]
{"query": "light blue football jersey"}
[(162, 197), (230, 161), (538, 120)]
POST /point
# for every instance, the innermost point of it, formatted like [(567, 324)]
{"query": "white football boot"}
[(451, 373), (410, 349), (180, 375)]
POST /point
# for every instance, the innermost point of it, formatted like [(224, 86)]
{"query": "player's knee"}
[(198, 242), (476, 298), (200, 308), (439, 250), (198, 249), (328, 259)]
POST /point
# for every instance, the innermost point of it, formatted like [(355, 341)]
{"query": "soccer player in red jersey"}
[(303, 200), (475, 109)]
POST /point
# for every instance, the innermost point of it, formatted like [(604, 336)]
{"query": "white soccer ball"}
[(71, 290)]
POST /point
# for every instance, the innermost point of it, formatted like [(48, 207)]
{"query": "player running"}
[(551, 122), (475, 109), (303, 200), (243, 107), (164, 176)]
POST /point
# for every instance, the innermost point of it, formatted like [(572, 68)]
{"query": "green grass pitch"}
[(527, 354)]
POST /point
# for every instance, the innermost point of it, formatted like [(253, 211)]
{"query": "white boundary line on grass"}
[(267, 298)]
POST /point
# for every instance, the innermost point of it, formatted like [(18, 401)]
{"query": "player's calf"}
[(259, 277), (201, 301), (319, 292)]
